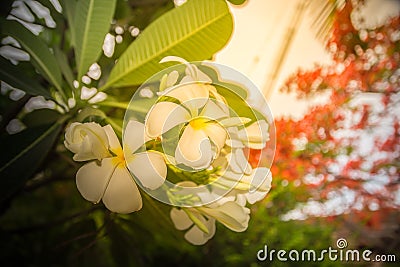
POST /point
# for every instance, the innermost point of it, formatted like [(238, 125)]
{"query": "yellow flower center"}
[(198, 123), (119, 158)]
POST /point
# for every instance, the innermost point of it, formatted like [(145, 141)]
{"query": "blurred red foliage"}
[(352, 141)]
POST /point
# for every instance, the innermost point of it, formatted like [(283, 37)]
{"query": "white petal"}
[(202, 77), (261, 179), (234, 143), (234, 121), (233, 139), (134, 136), (230, 214), (229, 179), (173, 59), (112, 138), (194, 149), (180, 219), (87, 140), (255, 196), (187, 79), (238, 161), (172, 78), (186, 188), (207, 197), (186, 184), (191, 70), (191, 91), (223, 200), (149, 168), (163, 117), (194, 96), (213, 111), (163, 84), (122, 194), (255, 145), (198, 237), (255, 135), (217, 134), (241, 199), (92, 179), (242, 161), (195, 236), (220, 100)]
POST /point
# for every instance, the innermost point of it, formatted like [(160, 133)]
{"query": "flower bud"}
[(87, 140)]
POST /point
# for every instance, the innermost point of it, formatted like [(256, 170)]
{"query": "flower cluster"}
[(106, 177), (189, 132)]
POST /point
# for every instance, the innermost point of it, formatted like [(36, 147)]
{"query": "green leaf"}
[(39, 117), (238, 105), (213, 74), (68, 7), (237, 2), (40, 54), (12, 75), (64, 65), (22, 155), (194, 31), (92, 22)]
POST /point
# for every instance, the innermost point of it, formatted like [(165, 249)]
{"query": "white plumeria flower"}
[(231, 214), (202, 137), (87, 140), (193, 74), (168, 80), (148, 167), (251, 188), (255, 135), (194, 235), (238, 162), (111, 182), (260, 180)]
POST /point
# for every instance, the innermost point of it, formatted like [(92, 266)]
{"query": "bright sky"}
[(260, 33)]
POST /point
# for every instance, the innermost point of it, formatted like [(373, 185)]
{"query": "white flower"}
[(238, 162), (87, 140), (253, 187), (199, 232), (168, 80), (110, 180), (148, 167), (253, 136), (233, 215), (260, 180), (256, 135), (193, 74), (202, 137)]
